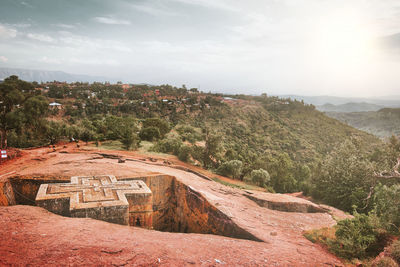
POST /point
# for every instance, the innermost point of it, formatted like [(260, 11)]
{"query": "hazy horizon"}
[(306, 47)]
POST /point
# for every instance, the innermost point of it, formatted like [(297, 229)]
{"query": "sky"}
[(303, 47)]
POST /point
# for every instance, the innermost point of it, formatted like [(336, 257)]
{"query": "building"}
[(55, 105)]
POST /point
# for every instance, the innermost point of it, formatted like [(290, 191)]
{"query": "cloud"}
[(26, 4), (7, 32), (91, 44), (20, 25), (48, 60), (112, 21), (3, 59), (79, 61), (41, 37), (92, 61), (65, 26), (151, 9), (212, 4)]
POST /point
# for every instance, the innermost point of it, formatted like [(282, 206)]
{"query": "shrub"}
[(184, 153), (394, 251), (344, 178), (162, 126), (280, 168), (189, 133), (384, 262), (54, 131), (87, 135), (357, 238), (387, 206), (169, 145), (150, 133), (129, 140), (260, 177), (230, 168)]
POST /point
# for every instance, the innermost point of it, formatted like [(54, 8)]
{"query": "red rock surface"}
[(32, 235)]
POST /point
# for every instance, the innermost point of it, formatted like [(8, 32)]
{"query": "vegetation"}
[(359, 237), (260, 177), (383, 123), (385, 262), (21, 111), (240, 186), (394, 251), (344, 177), (280, 144), (230, 168)]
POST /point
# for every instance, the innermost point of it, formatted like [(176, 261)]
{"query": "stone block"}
[(99, 197)]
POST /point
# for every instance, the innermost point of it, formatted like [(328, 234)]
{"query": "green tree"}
[(168, 145), (386, 201), (189, 133), (231, 168), (14, 93), (280, 168), (260, 177), (129, 139), (212, 149), (162, 126), (357, 237), (344, 177), (184, 153), (150, 133), (87, 135), (54, 131)]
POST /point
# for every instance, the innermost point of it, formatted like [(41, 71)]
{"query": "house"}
[(55, 105), (126, 86)]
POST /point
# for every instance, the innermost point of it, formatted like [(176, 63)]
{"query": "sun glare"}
[(343, 42)]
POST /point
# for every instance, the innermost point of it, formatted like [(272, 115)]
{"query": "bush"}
[(344, 178), (129, 140), (358, 238), (87, 135), (184, 153), (54, 131), (189, 133), (162, 126), (280, 168), (230, 168), (387, 206), (385, 262), (150, 133), (394, 251), (169, 145), (260, 177)]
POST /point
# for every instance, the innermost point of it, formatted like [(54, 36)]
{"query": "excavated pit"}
[(176, 206)]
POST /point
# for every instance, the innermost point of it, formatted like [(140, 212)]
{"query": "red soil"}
[(31, 235)]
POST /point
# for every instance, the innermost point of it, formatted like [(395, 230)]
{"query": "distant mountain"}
[(349, 107), (388, 101), (382, 123), (45, 76)]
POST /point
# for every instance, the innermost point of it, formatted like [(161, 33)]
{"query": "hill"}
[(232, 136), (386, 101), (349, 107), (274, 126), (383, 123), (46, 76)]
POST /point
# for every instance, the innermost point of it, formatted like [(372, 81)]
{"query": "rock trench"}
[(176, 206)]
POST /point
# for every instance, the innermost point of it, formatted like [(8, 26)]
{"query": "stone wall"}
[(7, 197), (179, 208)]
